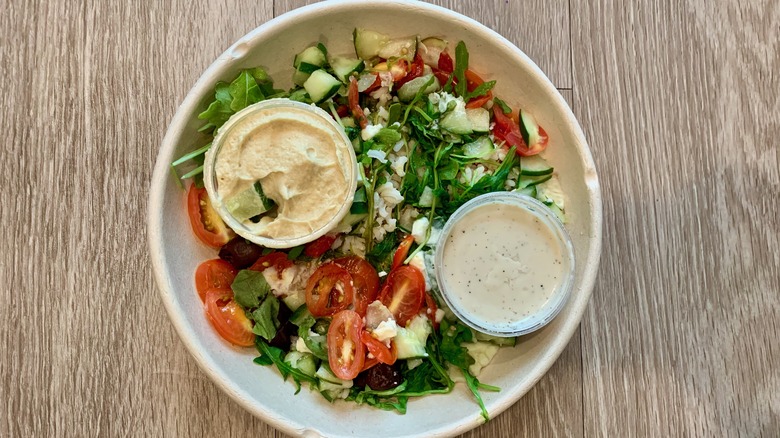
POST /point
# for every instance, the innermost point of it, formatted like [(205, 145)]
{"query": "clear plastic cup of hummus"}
[(281, 173), (504, 264)]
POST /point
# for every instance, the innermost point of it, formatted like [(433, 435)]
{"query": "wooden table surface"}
[(678, 100)]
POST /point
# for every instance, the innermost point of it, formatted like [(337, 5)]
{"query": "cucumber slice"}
[(326, 375), (409, 90), (551, 193), (303, 362), (399, 48), (430, 50), (479, 118), (530, 130), (482, 352), (534, 166), (294, 301), (311, 56), (308, 61), (367, 43), (299, 77), (321, 86), (500, 341), (345, 67), (410, 340), (300, 94), (530, 181), (528, 191), (479, 148), (248, 203), (457, 121)]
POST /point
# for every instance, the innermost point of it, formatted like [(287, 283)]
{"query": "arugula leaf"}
[(266, 318), (263, 360), (461, 65), (474, 385), (244, 91), (504, 107), (295, 252), (480, 90), (219, 110), (453, 335), (448, 171), (249, 288), (315, 343), (275, 355), (381, 255)]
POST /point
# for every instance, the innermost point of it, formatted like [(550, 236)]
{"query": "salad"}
[(355, 314)]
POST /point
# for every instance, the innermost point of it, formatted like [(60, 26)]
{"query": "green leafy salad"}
[(355, 314)]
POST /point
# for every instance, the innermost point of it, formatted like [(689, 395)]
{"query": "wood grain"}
[(678, 101)]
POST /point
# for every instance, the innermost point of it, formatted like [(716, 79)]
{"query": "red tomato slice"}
[(416, 69), (369, 363), (507, 129), (402, 251), (346, 353), (278, 260), (214, 274), (403, 293), (445, 63), (378, 349), (342, 110), (354, 103), (319, 247), (206, 223), (472, 82), (329, 290), (228, 318), (364, 280)]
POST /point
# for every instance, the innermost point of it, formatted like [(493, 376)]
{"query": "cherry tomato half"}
[(346, 352), (320, 246), (277, 260), (364, 280), (378, 349), (403, 293), (402, 251), (329, 290), (228, 318), (206, 223), (214, 274)]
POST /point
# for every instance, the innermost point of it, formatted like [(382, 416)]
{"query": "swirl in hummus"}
[(301, 161)]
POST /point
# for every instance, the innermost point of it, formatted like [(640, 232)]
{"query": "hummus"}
[(301, 160)]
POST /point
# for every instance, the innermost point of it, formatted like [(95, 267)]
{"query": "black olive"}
[(380, 377), (240, 252)]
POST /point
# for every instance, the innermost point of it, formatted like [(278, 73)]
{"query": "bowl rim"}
[(192, 100)]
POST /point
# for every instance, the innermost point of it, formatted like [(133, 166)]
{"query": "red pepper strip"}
[(354, 105), (415, 70)]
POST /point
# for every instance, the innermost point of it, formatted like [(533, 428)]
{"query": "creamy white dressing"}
[(501, 264)]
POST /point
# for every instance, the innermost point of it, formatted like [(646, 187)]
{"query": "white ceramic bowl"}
[(175, 252)]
